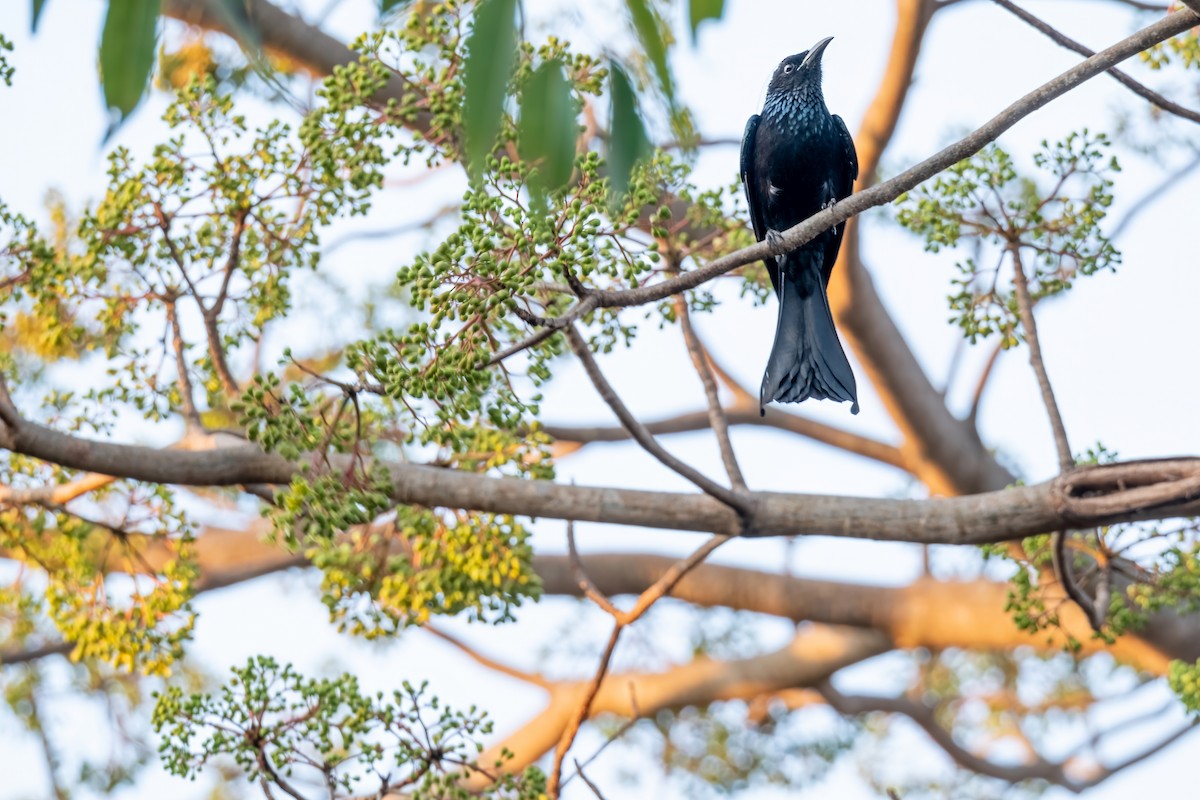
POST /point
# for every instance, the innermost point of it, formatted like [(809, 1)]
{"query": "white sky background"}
[(1120, 349)]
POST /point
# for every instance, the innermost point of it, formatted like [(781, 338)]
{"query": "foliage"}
[(6, 69), (127, 48), (285, 730), (178, 277), (1184, 48), (984, 202), (138, 624)]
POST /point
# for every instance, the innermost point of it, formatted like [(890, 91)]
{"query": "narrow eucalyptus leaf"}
[(700, 10), (627, 142), (38, 6), (127, 50), (649, 31), (491, 54), (547, 128)]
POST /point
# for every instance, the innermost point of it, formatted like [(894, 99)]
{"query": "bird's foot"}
[(775, 239)]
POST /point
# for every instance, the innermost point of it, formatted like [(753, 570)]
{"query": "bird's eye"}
[(787, 69)]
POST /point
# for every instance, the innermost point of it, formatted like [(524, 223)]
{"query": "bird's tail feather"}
[(807, 359)]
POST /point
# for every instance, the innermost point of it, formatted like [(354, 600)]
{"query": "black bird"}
[(797, 159)]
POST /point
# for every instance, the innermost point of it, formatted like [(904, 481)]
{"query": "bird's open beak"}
[(814, 55)]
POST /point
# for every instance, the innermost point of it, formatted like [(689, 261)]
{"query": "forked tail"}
[(807, 359)]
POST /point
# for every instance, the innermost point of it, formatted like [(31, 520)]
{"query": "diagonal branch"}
[(812, 656), (487, 661), (879, 194), (1038, 768), (1066, 461), (741, 414), (642, 436), (716, 413), (621, 619), (1065, 41)]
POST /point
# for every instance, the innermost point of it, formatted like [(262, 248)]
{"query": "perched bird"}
[(797, 159)]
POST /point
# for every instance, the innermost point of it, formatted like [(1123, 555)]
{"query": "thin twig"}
[(587, 780), (716, 413), (186, 392), (581, 711), (487, 661), (1137, 88), (642, 436), (1095, 613), (1066, 461), (552, 326), (670, 579), (622, 619), (581, 577), (634, 716), (981, 386), (1153, 196), (740, 414)]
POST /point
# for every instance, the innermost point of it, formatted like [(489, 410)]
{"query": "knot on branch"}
[(1100, 494)]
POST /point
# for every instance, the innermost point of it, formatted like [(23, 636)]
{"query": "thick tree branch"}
[(927, 613), (1098, 495)]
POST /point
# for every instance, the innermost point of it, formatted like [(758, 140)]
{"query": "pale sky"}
[(1119, 349)]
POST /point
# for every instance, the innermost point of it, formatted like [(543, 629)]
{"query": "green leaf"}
[(38, 5), (649, 30), (548, 129), (700, 10), (387, 5), (127, 50), (491, 54), (627, 143)]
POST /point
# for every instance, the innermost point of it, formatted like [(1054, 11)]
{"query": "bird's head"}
[(801, 73)]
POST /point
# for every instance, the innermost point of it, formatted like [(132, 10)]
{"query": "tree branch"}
[(1097, 495), (1038, 768), (621, 620), (879, 194), (738, 415), (642, 436), (716, 413), (1137, 88), (1066, 461), (816, 653), (487, 661)]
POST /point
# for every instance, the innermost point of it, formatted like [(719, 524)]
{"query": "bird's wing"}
[(850, 155), (843, 176), (749, 186)]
